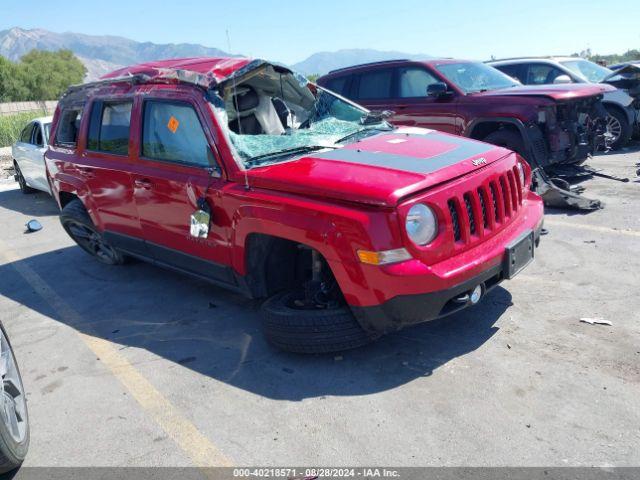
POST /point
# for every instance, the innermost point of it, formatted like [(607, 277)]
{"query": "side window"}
[(514, 71), (542, 74), (109, 127), (68, 127), (413, 82), (37, 135), (25, 135), (338, 85), (172, 132), (375, 84)]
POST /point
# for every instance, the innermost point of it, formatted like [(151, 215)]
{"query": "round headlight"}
[(521, 174), (421, 224)]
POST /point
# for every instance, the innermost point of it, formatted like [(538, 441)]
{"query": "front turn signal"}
[(383, 257)]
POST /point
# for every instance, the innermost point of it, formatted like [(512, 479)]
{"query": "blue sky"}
[(289, 31)]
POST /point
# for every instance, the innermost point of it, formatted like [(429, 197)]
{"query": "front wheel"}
[(77, 223), (14, 419), (305, 330), (618, 128), (22, 182)]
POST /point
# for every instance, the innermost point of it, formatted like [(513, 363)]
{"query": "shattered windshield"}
[(472, 77), (591, 71), (272, 115)]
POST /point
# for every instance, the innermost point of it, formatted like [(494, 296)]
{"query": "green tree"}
[(12, 87), (39, 75)]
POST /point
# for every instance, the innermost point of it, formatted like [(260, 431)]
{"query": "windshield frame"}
[(438, 67), (245, 164)]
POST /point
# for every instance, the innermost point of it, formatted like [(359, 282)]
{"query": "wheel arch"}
[(256, 236)]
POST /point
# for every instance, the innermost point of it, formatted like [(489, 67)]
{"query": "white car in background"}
[(28, 156), (623, 104)]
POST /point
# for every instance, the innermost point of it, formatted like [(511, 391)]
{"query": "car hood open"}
[(555, 92), (379, 170), (626, 78)]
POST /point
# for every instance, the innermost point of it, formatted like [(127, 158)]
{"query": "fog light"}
[(475, 295)]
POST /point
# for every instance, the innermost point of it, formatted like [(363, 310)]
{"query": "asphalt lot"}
[(137, 366)]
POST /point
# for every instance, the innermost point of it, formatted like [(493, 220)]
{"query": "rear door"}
[(414, 107), (177, 166), (104, 166)]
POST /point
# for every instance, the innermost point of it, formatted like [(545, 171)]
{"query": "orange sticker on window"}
[(173, 124)]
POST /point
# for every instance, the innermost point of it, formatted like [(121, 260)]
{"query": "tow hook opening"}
[(471, 297)]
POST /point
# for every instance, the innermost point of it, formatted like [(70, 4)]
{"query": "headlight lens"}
[(521, 174), (421, 224)]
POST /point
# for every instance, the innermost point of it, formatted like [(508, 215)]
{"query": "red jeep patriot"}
[(243, 173)]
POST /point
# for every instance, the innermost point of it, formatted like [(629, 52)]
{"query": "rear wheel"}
[(291, 326), (14, 419), (22, 183), (77, 223), (618, 128)]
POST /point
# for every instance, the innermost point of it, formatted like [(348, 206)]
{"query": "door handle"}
[(142, 183)]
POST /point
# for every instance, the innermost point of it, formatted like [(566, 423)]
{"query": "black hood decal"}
[(466, 149)]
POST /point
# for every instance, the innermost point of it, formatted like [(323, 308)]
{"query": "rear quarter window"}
[(68, 127), (109, 127)]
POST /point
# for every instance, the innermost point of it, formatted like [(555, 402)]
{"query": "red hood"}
[(379, 170), (556, 92)]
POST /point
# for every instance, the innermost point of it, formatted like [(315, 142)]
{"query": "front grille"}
[(488, 208)]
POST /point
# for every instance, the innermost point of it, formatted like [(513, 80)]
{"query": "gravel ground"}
[(137, 366)]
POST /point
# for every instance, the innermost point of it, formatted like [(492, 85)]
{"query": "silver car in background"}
[(28, 156)]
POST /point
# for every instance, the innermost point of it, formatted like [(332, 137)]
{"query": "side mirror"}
[(562, 80), (437, 90), (33, 226)]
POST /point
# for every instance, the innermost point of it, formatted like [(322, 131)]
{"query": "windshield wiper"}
[(382, 128), (254, 161)]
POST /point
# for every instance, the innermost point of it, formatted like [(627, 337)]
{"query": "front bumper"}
[(404, 310)]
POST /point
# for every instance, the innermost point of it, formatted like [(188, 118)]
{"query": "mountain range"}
[(103, 53)]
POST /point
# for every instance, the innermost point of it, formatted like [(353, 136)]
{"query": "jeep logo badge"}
[(479, 161)]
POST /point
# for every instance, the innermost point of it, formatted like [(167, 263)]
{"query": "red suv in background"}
[(243, 173), (547, 125)]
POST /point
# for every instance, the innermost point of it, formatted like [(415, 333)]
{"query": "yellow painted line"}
[(198, 448), (592, 228)]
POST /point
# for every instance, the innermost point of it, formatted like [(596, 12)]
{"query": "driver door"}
[(175, 167)]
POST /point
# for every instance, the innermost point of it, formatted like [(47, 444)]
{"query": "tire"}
[(78, 225), (14, 418), (616, 119), (311, 331), (22, 183), (508, 139)]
